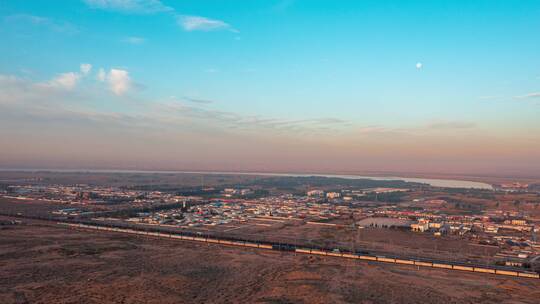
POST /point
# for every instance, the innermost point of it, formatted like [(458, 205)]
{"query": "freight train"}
[(318, 251)]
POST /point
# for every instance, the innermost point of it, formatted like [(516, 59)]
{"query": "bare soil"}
[(44, 263)]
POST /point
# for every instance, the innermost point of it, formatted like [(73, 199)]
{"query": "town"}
[(415, 220)]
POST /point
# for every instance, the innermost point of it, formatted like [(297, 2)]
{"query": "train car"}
[(441, 265), (216, 241), (407, 262), (319, 252), (464, 268), (334, 253), (225, 242), (283, 247), (484, 270), (367, 257), (529, 275), (386, 260), (199, 239), (239, 243), (302, 250), (426, 264), (265, 246), (506, 272), (290, 247), (249, 244), (350, 256)]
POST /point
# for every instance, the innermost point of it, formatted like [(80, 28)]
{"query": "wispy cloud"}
[(44, 22), (381, 131), (198, 100), (446, 125), (534, 95), (187, 22), (418, 130), (198, 23), (134, 40), (180, 112), (22, 92), (130, 6), (68, 80), (65, 81), (53, 100)]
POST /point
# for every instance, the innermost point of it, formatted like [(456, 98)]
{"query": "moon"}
[(419, 65)]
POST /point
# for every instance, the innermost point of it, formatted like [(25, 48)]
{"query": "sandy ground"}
[(42, 263)]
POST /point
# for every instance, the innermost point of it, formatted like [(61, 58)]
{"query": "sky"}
[(271, 85)]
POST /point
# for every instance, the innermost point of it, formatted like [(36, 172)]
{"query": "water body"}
[(444, 183)]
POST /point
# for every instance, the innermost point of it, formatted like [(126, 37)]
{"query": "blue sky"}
[(354, 73)]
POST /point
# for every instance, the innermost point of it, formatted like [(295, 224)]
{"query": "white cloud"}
[(65, 81), (69, 80), (187, 22), (101, 76), (198, 23), (119, 81), (30, 99), (85, 68), (42, 22), (134, 40), (16, 91), (130, 6), (419, 65)]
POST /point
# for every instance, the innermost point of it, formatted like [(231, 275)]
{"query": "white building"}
[(333, 195), (315, 193)]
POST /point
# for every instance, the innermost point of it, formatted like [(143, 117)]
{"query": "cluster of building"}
[(84, 196), (233, 192), (224, 211), (512, 232), (348, 195)]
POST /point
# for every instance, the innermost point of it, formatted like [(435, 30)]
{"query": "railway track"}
[(365, 256)]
